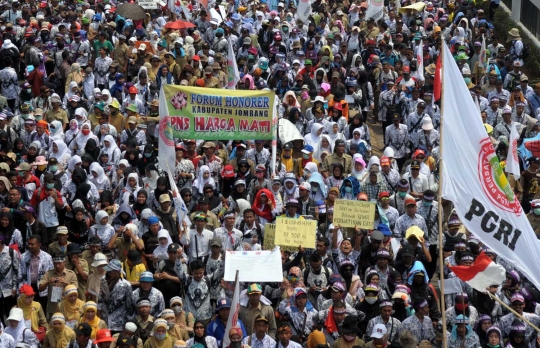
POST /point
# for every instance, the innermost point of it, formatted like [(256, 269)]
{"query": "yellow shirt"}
[(133, 273)]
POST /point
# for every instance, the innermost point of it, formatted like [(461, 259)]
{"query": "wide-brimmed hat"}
[(513, 34)]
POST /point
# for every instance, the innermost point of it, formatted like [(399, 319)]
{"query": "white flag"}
[(166, 152), (483, 54), (234, 312), (304, 10), (474, 180), (512, 160), (375, 9), (233, 76), (420, 60)]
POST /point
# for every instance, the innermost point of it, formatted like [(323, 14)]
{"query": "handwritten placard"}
[(295, 232), (148, 4), (348, 213), (269, 239), (254, 266)]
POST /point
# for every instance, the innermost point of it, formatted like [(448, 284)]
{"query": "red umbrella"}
[(179, 24)]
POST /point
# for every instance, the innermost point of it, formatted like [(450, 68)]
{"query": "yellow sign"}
[(295, 232), (348, 213), (269, 239)]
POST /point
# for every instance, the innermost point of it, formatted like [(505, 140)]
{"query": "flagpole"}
[(439, 200), (513, 311)]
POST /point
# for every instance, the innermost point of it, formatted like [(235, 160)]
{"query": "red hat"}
[(28, 32), (277, 36), (27, 290), (228, 171), (196, 57), (338, 106), (406, 69), (370, 42), (180, 146), (384, 194), (133, 89), (410, 201), (103, 335), (385, 161)]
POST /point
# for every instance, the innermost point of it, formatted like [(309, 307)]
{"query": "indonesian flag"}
[(482, 60), (420, 60), (512, 161), (234, 313), (233, 76), (483, 273), (437, 83)]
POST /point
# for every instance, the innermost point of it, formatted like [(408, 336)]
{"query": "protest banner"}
[(269, 239), (148, 4), (254, 266), (295, 232), (218, 114), (359, 214)]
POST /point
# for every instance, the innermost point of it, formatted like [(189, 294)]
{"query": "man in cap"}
[(420, 324), (129, 331), (410, 218), (134, 99), (418, 182), (339, 156), (82, 336), (132, 133), (115, 297), (217, 327), (147, 291), (209, 158), (79, 266), (59, 276), (57, 113), (209, 80), (94, 247), (517, 302), (120, 54), (503, 128), (197, 240), (254, 308), (259, 337), (168, 216)]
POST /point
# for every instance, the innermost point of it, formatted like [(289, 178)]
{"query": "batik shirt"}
[(215, 284), (116, 306), (471, 341), (451, 316), (430, 215), (397, 139), (339, 257), (405, 221), (197, 298), (393, 327), (10, 83), (45, 264), (9, 271), (258, 157), (296, 318), (391, 180), (266, 342), (230, 241), (421, 330), (156, 300)]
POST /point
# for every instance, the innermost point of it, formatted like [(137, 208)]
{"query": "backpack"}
[(57, 181), (525, 52), (394, 108)]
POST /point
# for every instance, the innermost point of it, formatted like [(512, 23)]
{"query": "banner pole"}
[(274, 138), (441, 210), (513, 311)]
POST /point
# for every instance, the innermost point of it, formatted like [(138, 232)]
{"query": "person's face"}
[(486, 324), (321, 248), (332, 195), (59, 266), (90, 314), (382, 262), (411, 209), (339, 317), (261, 328), (254, 298), (301, 300), (284, 336), (493, 339), (62, 238), (13, 324), (146, 286), (461, 330), (198, 274), (14, 194), (340, 148), (224, 313), (518, 306)]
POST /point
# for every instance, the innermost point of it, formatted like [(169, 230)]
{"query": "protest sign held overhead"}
[(359, 214), (295, 232), (269, 239)]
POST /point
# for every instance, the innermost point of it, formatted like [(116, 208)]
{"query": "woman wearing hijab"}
[(117, 88), (34, 150), (203, 179), (313, 137), (264, 206), (359, 170), (290, 188), (72, 90), (125, 215), (18, 330), (10, 234), (200, 337), (5, 144), (5, 186), (318, 187), (151, 178), (111, 149), (78, 227), (61, 152), (72, 132), (102, 229), (77, 178), (141, 203), (148, 157), (98, 177), (78, 145), (130, 191), (73, 163), (90, 317), (164, 240), (159, 338), (60, 335), (32, 311), (332, 129), (71, 307), (91, 148), (56, 131), (350, 188), (325, 144)]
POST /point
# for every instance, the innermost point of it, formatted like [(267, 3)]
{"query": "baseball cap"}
[(83, 329), (379, 331)]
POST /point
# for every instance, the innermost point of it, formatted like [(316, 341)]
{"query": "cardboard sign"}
[(253, 266), (295, 232), (269, 239), (148, 4), (349, 213)]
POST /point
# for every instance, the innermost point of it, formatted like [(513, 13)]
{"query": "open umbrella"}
[(179, 24), (131, 11)]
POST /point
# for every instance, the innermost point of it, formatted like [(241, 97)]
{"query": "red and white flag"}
[(234, 313), (437, 83), (512, 161), (483, 273), (419, 52)]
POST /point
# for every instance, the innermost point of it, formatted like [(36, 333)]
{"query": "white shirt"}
[(199, 244)]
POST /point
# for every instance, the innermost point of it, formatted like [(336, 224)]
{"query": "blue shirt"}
[(216, 329)]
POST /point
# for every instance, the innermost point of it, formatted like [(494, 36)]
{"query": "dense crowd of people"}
[(96, 250)]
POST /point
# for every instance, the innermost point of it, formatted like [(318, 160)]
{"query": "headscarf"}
[(99, 216), (63, 334), (71, 311), (102, 178), (321, 193), (95, 322), (201, 181), (7, 231), (355, 187), (461, 319), (118, 220), (104, 93), (82, 139), (295, 272), (311, 167), (57, 132), (200, 340), (72, 162), (69, 92), (63, 150), (30, 311), (18, 332), (358, 174), (312, 138), (137, 207), (151, 181), (117, 87), (162, 250), (319, 148), (109, 150), (292, 301), (260, 210), (167, 342)]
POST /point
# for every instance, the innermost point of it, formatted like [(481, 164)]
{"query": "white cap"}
[(100, 260), (305, 185), (427, 124), (16, 314), (214, 21), (389, 152), (131, 327), (142, 47), (281, 4), (378, 331)]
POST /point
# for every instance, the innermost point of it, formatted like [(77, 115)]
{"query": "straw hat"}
[(513, 34)]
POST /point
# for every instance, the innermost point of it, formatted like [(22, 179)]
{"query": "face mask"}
[(177, 310), (536, 211), (292, 279), (38, 118), (53, 168), (29, 90), (285, 156), (160, 337), (21, 174), (348, 189), (349, 338), (314, 189), (402, 194), (170, 325), (49, 186), (371, 299), (461, 306), (73, 126), (304, 156), (25, 116), (85, 131), (259, 175), (288, 20), (147, 155), (467, 80), (428, 204)]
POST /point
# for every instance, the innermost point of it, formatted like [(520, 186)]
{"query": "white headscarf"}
[(128, 187), (100, 215), (319, 149), (18, 332), (201, 181), (82, 139), (312, 138), (62, 150), (73, 161), (102, 178), (109, 150), (162, 249), (103, 94), (150, 182), (69, 92)]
